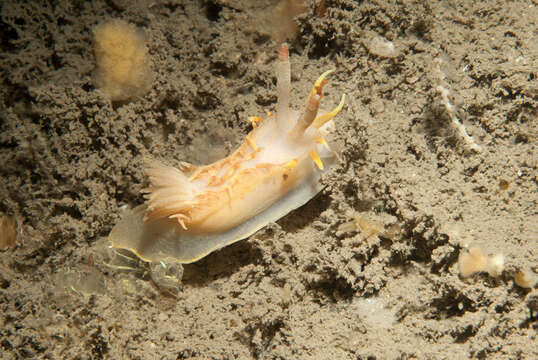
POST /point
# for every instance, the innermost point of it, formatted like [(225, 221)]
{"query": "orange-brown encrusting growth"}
[(8, 232), (122, 62)]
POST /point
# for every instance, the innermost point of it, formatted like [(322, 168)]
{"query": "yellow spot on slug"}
[(291, 164), (251, 143), (254, 120), (314, 156), (322, 141)]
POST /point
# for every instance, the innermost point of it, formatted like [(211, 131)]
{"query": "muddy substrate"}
[(298, 289)]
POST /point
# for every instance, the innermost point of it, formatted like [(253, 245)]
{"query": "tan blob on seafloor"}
[(526, 279), (122, 61), (472, 262)]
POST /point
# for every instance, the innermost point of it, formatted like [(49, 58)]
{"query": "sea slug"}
[(193, 211)]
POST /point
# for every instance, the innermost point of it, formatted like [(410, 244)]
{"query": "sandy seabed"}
[(298, 289)]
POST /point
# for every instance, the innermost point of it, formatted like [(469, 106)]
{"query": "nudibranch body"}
[(193, 211)]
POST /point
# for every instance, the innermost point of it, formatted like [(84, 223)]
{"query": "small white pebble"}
[(374, 312), (380, 46)]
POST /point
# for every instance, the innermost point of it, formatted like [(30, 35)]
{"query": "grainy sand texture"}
[(71, 161)]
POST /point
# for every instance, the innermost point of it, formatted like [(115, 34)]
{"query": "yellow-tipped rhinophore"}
[(322, 119), (319, 84)]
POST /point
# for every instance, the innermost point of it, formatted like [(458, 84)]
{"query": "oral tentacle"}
[(306, 118), (283, 84)]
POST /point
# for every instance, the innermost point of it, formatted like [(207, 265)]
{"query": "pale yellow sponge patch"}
[(472, 261), (526, 279), (123, 66)]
